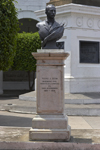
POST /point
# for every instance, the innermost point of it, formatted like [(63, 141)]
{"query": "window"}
[(89, 52)]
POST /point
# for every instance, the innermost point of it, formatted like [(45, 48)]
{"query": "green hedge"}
[(26, 44), (8, 31)]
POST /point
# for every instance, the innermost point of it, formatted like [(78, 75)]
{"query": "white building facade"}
[(81, 39), (26, 8), (26, 13)]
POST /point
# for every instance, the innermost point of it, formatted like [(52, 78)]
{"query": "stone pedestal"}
[(50, 123)]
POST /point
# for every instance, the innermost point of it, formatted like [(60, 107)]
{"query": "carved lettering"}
[(51, 84)]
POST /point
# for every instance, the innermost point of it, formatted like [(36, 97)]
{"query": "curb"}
[(47, 146)]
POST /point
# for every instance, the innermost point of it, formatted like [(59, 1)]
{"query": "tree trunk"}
[(1, 82), (29, 80)]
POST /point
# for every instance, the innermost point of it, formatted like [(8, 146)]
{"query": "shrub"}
[(8, 32), (26, 44)]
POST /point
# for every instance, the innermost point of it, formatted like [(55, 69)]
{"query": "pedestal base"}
[(50, 128)]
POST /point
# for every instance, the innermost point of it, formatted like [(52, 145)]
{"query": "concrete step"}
[(82, 101), (70, 109), (84, 98), (82, 110), (30, 96)]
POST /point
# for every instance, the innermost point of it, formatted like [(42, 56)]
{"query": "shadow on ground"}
[(80, 140), (15, 121), (92, 95)]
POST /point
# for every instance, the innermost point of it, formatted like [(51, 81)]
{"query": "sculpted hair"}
[(49, 6)]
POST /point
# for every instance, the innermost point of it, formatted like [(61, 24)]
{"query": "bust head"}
[(50, 11), (50, 31)]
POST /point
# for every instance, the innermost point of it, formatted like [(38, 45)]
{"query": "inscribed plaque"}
[(50, 89), (89, 52)]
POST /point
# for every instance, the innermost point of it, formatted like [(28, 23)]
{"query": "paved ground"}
[(15, 127), (25, 120), (15, 124)]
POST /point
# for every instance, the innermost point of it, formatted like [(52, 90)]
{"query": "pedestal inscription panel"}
[(49, 87)]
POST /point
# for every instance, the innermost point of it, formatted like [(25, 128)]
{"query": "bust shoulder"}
[(39, 24), (57, 23)]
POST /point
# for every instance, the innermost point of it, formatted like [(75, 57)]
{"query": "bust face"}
[(51, 11)]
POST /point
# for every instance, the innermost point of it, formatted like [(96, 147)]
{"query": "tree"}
[(23, 60), (8, 32)]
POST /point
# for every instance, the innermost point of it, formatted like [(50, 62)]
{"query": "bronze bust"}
[(50, 31)]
